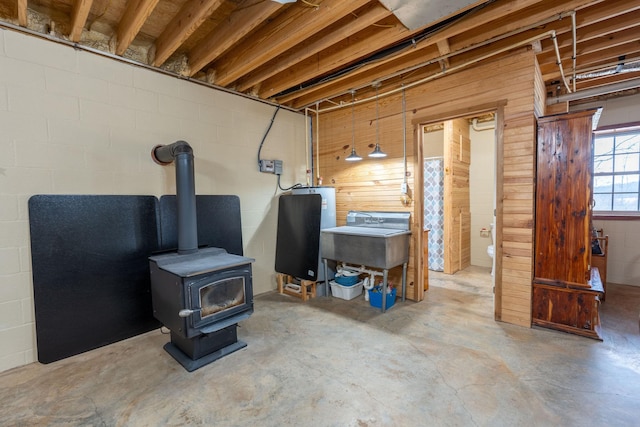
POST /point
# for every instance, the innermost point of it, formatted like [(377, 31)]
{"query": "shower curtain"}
[(434, 210)]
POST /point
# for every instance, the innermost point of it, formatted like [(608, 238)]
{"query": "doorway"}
[(459, 179)]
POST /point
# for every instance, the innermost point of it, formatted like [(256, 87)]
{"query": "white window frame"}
[(616, 132)]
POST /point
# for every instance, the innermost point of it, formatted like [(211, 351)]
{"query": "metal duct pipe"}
[(182, 153), (595, 91)]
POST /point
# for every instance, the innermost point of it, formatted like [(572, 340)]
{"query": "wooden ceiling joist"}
[(549, 72), (305, 52), (79, 16), (444, 49), (334, 58), (238, 25), (282, 35), (604, 27), (487, 14), (612, 9), (22, 13), (350, 26), (190, 17), (134, 17)]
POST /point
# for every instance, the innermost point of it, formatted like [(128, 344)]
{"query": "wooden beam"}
[(444, 49), (550, 71), (187, 20), (81, 10), (598, 29), (239, 24), (517, 19), (603, 43), (363, 77), (344, 55), (283, 33), (346, 52), (22, 13), (134, 17), (354, 24)]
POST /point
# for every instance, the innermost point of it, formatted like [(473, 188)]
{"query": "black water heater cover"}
[(298, 238)]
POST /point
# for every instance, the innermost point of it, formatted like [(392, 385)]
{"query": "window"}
[(616, 171)]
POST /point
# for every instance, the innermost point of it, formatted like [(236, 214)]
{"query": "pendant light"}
[(377, 152), (353, 157)]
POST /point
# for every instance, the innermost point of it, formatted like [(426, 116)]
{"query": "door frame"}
[(418, 211)]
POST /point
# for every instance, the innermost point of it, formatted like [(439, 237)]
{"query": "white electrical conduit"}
[(404, 136), (550, 33), (575, 40), (306, 146), (318, 144), (559, 61)]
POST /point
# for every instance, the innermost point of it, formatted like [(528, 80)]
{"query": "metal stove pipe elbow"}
[(165, 154), (182, 153)]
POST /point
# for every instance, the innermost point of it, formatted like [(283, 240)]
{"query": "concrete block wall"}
[(72, 122)]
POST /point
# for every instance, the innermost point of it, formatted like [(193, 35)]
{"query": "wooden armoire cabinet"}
[(566, 290)]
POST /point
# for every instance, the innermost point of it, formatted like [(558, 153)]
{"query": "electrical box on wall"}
[(271, 166)]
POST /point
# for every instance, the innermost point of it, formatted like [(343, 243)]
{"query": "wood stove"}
[(199, 294), (201, 297)]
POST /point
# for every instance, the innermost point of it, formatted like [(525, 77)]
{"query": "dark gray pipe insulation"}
[(182, 153)]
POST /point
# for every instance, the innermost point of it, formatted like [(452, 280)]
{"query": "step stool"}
[(307, 287)]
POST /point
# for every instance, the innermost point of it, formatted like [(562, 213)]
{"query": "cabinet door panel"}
[(563, 198)]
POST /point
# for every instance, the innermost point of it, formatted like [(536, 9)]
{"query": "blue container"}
[(375, 297), (347, 280)]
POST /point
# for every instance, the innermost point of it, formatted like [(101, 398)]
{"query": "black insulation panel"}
[(90, 263), (298, 237), (219, 222), (91, 270)]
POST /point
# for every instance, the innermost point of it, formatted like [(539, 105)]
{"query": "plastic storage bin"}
[(346, 292), (375, 298), (347, 280)]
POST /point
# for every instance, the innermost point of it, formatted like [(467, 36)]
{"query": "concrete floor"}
[(330, 362)]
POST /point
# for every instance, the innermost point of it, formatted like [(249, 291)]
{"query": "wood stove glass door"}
[(216, 297)]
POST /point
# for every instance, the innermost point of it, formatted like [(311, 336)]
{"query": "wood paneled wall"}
[(506, 85)]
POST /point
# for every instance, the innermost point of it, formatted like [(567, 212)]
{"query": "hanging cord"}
[(298, 185), (267, 133)]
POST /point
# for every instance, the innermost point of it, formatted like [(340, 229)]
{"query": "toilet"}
[(490, 248)]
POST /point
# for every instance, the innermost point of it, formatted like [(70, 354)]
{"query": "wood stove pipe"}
[(182, 153)]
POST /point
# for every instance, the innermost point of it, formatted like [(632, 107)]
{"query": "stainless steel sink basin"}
[(374, 247), (379, 240)]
